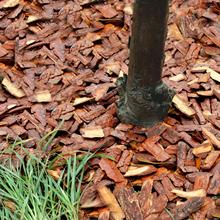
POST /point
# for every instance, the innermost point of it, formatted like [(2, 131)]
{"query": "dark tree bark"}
[(144, 99)]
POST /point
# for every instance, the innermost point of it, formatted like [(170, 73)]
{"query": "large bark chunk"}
[(109, 199), (183, 106), (130, 204), (155, 149), (111, 170), (187, 208)]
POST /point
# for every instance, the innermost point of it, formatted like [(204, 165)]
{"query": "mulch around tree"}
[(60, 60)]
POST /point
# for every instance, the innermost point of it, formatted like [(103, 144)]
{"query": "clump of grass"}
[(28, 192)]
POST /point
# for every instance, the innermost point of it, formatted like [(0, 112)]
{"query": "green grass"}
[(29, 192), (34, 194)]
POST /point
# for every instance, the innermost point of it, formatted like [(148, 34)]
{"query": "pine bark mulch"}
[(60, 60)]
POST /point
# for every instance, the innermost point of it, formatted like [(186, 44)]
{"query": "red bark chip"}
[(159, 204), (124, 161), (202, 181), (210, 160), (159, 188), (129, 203), (60, 60), (187, 208), (40, 113), (124, 127), (171, 135), (208, 207), (188, 139), (177, 179), (168, 187), (18, 130), (111, 170), (145, 195), (181, 154), (198, 111), (135, 137), (119, 134), (155, 149), (3, 51), (214, 186), (107, 11), (188, 128), (156, 130)]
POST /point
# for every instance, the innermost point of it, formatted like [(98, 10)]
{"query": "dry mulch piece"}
[(59, 60)]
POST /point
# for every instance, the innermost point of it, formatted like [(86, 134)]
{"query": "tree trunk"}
[(144, 99)]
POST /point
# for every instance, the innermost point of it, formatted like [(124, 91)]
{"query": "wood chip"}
[(18, 130), (174, 32), (202, 181), (198, 111), (183, 106), (104, 215), (168, 187), (43, 96), (111, 170), (55, 174), (96, 203), (64, 59), (125, 161), (181, 154), (113, 68), (206, 147), (92, 132), (205, 93), (184, 210), (188, 128), (213, 74), (100, 91), (159, 204), (204, 78), (210, 160), (9, 3), (190, 194), (128, 9), (211, 137), (12, 88), (109, 199), (194, 81), (107, 11), (171, 135), (178, 77), (155, 149), (140, 170), (214, 186), (215, 213), (217, 93), (146, 198), (82, 100), (129, 203), (3, 51), (32, 18), (10, 205), (200, 69)]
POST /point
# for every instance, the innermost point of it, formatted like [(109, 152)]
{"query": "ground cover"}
[(60, 60)]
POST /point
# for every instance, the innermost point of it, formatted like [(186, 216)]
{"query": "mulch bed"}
[(59, 60)]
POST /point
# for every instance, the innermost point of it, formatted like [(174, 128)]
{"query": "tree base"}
[(143, 107)]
